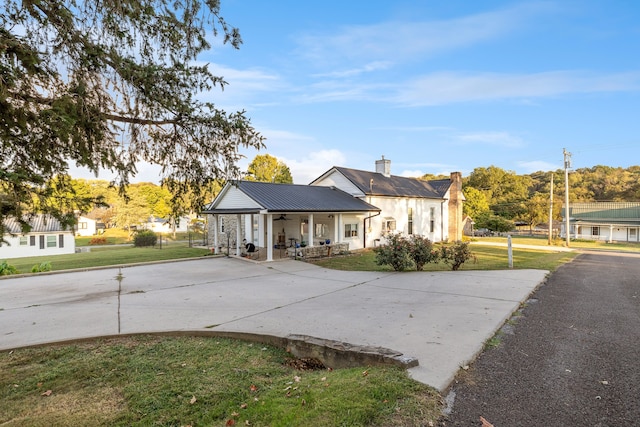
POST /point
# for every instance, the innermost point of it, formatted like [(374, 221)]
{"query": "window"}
[(51, 241), (41, 241), (32, 240), (351, 230), (432, 220), (595, 231), (61, 240), (388, 225), (410, 221), (83, 225), (23, 241)]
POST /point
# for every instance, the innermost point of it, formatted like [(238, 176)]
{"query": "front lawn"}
[(486, 258), (164, 381), (106, 256)]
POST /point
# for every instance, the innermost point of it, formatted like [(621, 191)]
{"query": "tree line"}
[(103, 201), (496, 198)]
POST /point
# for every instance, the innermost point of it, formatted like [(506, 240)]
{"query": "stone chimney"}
[(455, 207), (384, 167)]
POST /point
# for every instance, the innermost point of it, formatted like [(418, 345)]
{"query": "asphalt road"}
[(571, 359)]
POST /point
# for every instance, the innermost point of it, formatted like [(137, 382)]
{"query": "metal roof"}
[(297, 198), (377, 184), (39, 224), (620, 211)]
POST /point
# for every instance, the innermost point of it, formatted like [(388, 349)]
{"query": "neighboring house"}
[(608, 221), (45, 238), (277, 215), (432, 209), (86, 226), (343, 205), (164, 225)]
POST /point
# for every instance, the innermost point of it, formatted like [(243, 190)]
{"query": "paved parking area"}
[(442, 318)]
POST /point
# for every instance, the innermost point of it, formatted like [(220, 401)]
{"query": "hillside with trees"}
[(497, 198)]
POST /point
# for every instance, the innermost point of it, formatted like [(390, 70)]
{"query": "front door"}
[(633, 234)]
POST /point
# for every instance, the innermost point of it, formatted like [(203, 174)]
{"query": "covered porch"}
[(283, 235), (286, 218)]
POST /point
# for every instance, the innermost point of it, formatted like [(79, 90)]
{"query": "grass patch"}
[(493, 342), (577, 244), (109, 256), (199, 381), (487, 258)]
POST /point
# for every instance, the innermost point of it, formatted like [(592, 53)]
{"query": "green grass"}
[(577, 244), (486, 258), (165, 381), (108, 256)]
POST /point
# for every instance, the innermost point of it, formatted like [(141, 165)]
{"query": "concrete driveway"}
[(442, 319)]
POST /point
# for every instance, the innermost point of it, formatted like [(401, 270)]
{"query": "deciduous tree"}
[(266, 168), (107, 84)]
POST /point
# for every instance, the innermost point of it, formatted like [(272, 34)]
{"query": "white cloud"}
[(368, 68), (243, 86), (314, 164), (406, 40), (448, 88), (497, 138), (412, 173)]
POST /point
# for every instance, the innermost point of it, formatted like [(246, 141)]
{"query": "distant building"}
[(605, 221), (47, 237)]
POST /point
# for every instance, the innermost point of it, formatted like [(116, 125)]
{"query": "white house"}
[(86, 226), (45, 238), (432, 209), (342, 206), (607, 221), (163, 225)]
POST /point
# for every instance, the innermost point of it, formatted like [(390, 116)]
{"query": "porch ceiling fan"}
[(282, 217)]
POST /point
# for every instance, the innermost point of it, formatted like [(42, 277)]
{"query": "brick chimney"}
[(384, 167), (455, 207)]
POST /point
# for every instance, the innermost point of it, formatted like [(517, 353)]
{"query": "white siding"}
[(398, 209), (18, 251), (236, 199), (336, 179), (86, 226)]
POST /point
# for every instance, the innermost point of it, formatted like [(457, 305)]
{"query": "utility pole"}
[(551, 211), (567, 165)]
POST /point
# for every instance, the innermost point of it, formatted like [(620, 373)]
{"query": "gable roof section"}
[(39, 224), (610, 211), (394, 186), (292, 198)]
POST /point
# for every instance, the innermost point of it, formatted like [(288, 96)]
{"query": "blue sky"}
[(435, 86)]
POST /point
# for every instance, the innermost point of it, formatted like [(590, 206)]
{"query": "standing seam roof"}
[(302, 198)]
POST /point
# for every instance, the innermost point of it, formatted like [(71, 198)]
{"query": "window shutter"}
[(32, 240), (61, 240), (42, 241)]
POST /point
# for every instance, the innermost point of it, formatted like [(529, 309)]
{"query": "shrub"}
[(43, 266), (98, 241), (455, 255), (422, 252), (395, 253), (145, 238), (7, 269)]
